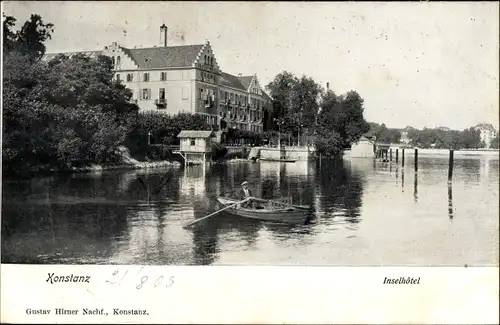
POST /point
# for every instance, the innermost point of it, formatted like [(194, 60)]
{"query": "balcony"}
[(161, 102)]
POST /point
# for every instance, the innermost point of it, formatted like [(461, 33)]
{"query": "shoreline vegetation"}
[(71, 115)]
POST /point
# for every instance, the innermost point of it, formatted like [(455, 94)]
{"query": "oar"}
[(214, 213)]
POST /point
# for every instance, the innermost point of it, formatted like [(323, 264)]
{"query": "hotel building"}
[(187, 79)]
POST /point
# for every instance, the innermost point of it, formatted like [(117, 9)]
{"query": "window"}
[(146, 93), (161, 93), (130, 77), (145, 77), (118, 60), (163, 76), (113, 60), (211, 61), (201, 93), (118, 77), (205, 59), (192, 142)]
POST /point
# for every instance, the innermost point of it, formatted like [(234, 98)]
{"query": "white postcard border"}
[(251, 294)]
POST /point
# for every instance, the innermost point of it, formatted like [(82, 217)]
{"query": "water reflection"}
[(415, 188), (402, 180), (120, 218), (470, 168), (341, 189), (450, 202)]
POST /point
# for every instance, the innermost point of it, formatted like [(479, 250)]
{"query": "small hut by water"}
[(364, 148), (195, 146)]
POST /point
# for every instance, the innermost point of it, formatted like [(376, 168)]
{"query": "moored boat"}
[(279, 160), (266, 210)]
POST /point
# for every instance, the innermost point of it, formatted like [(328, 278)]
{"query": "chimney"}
[(163, 35), (327, 86)]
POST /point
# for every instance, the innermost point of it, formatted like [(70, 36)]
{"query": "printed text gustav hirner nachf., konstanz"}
[(402, 280)]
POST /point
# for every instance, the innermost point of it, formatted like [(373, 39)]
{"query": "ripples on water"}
[(366, 214)]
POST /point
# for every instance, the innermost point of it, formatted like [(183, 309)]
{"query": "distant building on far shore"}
[(487, 133), (405, 139)]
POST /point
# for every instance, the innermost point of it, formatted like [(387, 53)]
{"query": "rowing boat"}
[(266, 210), (279, 160)]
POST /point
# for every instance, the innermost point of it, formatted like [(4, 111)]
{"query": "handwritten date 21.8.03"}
[(140, 279)]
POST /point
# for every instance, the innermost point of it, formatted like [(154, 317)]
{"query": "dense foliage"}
[(155, 128), (234, 136), (303, 108), (69, 112), (60, 113), (494, 142), (441, 138), (384, 134)]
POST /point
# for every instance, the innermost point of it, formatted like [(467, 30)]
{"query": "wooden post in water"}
[(450, 166), (390, 154), (397, 156), (402, 157), (416, 160)]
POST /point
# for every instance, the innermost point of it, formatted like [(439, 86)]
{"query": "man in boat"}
[(245, 193)]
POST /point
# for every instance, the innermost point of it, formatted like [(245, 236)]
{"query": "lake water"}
[(366, 214)]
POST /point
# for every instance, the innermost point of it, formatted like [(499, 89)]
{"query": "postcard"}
[(250, 162)]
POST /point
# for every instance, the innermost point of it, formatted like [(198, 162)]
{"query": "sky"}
[(420, 64)]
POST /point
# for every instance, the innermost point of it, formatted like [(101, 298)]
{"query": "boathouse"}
[(195, 146), (364, 148)]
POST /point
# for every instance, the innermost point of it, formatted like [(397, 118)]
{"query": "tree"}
[(30, 40), (9, 36), (305, 106), (343, 115), (59, 113), (281, 90), (471, 138), (440, 138), (383, 134), (494, 142)]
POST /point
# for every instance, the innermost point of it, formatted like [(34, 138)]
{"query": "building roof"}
[(229, 80), (245, 81), (194, 134), (164, 57), (266, 96), (92, 54), (365, 138), (152, 57)]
